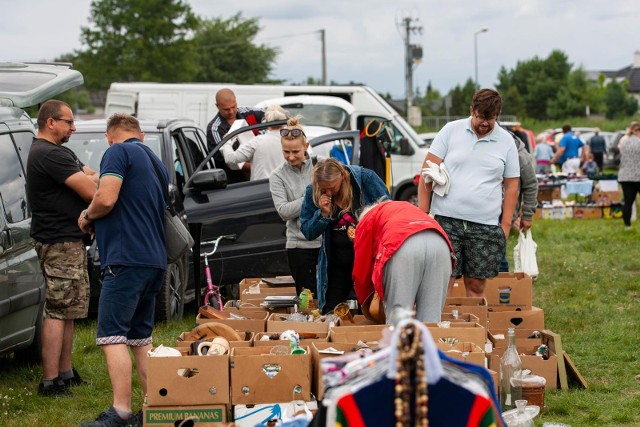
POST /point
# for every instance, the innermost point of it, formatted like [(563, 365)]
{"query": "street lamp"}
[(475, 50)]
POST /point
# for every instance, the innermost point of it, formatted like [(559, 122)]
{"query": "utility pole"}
[(324, 58), (413, 55)]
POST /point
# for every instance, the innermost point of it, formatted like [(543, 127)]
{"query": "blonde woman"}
[(331, 205), (287, 184)]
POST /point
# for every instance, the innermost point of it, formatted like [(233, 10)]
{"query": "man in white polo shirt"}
[(482, 162)]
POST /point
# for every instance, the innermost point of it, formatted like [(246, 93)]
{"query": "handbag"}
[(524, 255), (177, 238)]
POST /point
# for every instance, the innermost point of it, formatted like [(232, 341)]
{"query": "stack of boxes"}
[(257, 380)]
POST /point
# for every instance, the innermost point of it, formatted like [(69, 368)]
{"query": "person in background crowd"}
[(287, 184), (263, 151), (568, 153), (544, 154), (218, 127), (527, 196), (403, 255), (517, 130), (59, 187), (482, 162), (629, 172), (590, 167), (331, 205), (128, 212), (598, 146)]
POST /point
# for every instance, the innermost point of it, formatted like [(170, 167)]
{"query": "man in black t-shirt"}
[(59, 187)]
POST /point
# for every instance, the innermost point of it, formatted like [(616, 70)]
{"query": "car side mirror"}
[(405, 148), (210, 179)]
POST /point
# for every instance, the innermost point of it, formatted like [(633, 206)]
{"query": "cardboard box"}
[(256, 321), (548, 194), (458, 289), (587, 212), (278, 323), (358, 320), (460, 318), (181, 342), (557, 212), (536, 364), (369, 334), (465, 351), (208, 384), (257, 376), (265, 291), (513, 290), (261, 414), (463, 332), (317, 355), (525, 344), (170, 416), (473, 305), (605, 198), (304, 341), (523, 319)]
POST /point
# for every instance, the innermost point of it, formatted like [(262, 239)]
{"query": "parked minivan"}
[(21, 281)]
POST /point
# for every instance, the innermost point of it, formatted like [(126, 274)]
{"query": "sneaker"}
[(57, 388), (627, 228), (76, 379), (111, 419), (136, 419)]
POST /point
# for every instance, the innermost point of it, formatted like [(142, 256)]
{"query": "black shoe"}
[(111, 419), (57, 388), (76, 379), (136, 419)]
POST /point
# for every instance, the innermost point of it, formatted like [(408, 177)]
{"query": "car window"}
[(393, 133), (12, 182), (91, 146), (319, 115)]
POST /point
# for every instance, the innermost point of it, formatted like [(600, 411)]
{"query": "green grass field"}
[(589, 288)]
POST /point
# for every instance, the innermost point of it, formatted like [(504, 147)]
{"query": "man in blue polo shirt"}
[(568, 153), (128, 210), (482, 162)]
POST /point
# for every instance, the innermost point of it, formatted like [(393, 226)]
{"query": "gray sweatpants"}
[(418, 272)]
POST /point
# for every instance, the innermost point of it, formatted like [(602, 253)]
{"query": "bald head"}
[(227, 105)]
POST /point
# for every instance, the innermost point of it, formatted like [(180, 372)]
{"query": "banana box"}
[(188, 380)]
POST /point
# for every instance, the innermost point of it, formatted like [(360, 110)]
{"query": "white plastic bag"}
[(524, 255)]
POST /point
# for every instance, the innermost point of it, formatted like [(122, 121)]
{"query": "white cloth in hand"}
[(439, 176)]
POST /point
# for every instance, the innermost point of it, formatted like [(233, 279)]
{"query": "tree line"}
[(164, 41)]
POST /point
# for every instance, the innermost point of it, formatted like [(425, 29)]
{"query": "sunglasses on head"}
[(293, 132)]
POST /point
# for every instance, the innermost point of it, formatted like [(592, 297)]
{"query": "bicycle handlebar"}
[(216, 242)]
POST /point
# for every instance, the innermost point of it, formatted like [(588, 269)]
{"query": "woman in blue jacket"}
[(331, 205)]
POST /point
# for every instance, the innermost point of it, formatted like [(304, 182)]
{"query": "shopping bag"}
[(524, 255)]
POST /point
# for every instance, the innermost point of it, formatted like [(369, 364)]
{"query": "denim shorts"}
[(479, 248), (127, 305)]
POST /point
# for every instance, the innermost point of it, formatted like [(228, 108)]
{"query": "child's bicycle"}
[(212, 296)]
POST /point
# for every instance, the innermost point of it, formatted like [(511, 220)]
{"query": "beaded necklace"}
[(411, 379)]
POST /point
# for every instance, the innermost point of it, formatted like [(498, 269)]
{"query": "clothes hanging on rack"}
[(362, 389)]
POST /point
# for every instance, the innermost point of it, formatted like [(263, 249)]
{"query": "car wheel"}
[(170, 299), (409, 194), (33, 353)]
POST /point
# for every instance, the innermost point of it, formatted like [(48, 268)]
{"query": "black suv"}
[(21, 281), (210, 207)]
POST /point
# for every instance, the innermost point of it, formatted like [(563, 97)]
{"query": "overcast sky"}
[(363, 38)]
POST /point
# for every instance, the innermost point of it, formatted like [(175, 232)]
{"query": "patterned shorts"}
[(64, 266), (479, 248)]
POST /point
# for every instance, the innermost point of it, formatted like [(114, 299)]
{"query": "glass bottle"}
[(510, 374)]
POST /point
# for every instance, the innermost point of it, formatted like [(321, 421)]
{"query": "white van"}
[(197, 102)]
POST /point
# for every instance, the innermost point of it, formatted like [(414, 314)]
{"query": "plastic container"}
[(522, 416)]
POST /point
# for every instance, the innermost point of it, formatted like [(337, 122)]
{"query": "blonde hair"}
[(328, 170), (275, 112)]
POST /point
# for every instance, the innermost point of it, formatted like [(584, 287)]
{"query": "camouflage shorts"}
[(64, 266), (479, 248)]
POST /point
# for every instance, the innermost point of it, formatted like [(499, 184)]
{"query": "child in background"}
[(543, 153), (590, 167)]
